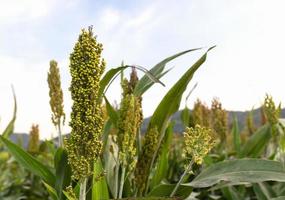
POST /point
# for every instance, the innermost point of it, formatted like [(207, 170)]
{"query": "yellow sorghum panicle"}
[(70, 193), (34, 139), (198, 143), (130, 119), (86, 66), (219, 120), (142, 168), (272, 113), (55, 93), (201, 114)]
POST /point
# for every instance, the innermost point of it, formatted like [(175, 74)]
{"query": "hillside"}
[(178, 128), (241, 116)]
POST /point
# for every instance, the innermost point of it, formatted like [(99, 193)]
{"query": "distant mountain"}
[(241, 116), (23, 138), (20, 138)]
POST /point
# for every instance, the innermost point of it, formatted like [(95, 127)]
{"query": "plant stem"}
[(82, 194), (181, 178), (116, 179), (60, 143), (154, 156), (122, 182)]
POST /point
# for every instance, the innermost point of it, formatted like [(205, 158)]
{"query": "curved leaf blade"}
[(10, 128), (29, 162), (145, 82), (240, 170), (256, 144)]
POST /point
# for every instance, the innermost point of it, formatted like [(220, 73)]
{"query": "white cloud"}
[(247, 63), (17, 11)]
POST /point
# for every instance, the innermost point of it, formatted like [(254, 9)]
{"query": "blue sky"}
[(247, 63)]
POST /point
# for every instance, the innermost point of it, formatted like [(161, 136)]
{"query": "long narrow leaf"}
[(162, 165), (240, 170), (99, 188), (10, 128), (29, 162), (145, 82), (256, 144), (63, 172)]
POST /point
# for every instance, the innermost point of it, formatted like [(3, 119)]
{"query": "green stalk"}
[(82, 193), (60, 143), (154, 156), (116, 180), (122, 182), (182, 178)]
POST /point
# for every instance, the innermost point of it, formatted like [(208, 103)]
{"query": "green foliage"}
[(240, 171), (106, 156)]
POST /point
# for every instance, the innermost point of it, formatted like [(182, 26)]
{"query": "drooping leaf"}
[(99, 188), (158, 71), (256, 144), (240, 171), (63, 172), (108, 77), (113, 73), (29, 162), (164, 190), (10, 128)]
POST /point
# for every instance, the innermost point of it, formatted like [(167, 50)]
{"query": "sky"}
[(247, 63)]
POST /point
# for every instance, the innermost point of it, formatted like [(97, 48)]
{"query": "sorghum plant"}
[(34, 140), (198, 143), (84, 145), (56, 98)]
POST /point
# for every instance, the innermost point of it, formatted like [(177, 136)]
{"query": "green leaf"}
[(162, 165), (170, 103), (279, 198), (51, 191), (164, 190), (111, 112), (263, 191), (231, 193), (145, 82), (63, 172), (10, 128), (185, 116), (112, 74), (29, 162), (236, 135), (99, 188), (107, 79), (256, 144), (240, 170)]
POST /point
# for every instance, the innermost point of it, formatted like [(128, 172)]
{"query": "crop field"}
[(107, 156)]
